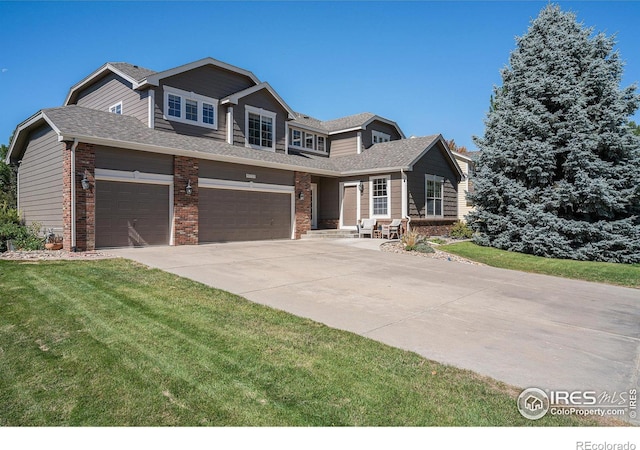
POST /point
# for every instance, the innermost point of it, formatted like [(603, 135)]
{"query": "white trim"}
[(95, 75), (261, 112), (367, 123), (190, 96), (314, 206), (213, 183), (234, 98), (132, 177), (343, 185), (286, 138), (152, 107), (405, 195), (146, 178), (380, 216), (303, 136), (359, 142), (230, 124), (114, 106), (40, 115)]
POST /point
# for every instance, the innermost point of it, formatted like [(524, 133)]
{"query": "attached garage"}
[(130, 214), (227, 214)]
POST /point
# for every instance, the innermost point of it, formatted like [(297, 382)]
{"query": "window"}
[(116, 109), (296, 138), (380, 187), (260, 128), (379, 137), (321, 144), (191, 108), (305, 140), (434, 190)]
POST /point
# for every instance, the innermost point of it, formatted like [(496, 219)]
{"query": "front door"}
[(350, 206)]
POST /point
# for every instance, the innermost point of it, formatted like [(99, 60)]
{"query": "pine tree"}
[(559, 170)]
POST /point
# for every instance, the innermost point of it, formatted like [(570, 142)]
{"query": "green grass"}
[(111, 342), (619, 274)]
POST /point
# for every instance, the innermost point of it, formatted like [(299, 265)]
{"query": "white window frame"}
[(114, 108), (302, 141), (435, 179), (371, 182), (381, 137), (262, 113), (199, 99)]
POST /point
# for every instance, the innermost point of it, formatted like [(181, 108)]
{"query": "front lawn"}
[(114, 343), (620, 274)]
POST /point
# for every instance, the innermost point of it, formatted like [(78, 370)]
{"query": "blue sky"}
[(430, 66)]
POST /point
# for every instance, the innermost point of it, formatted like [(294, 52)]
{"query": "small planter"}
[(53, 246)]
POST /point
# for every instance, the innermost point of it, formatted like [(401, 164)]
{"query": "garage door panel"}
[(230, 215), (131, 214)]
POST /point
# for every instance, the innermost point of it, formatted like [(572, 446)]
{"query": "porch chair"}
[(392, 228), (366, 227)]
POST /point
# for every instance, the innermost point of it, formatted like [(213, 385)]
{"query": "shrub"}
[(437, 241), (411, 239), (8, 214), (23, 237), (422, 247), (460, 230)]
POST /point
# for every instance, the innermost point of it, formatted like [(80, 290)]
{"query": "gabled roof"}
[(133, 74), (154, 79), (395, 155), (233, 98), (103, 128), (343, 124)]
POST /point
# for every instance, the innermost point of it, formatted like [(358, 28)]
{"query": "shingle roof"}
[(136, 72), (95, 126), (77, 121), (394, 154), (309, 121), (344, 123)]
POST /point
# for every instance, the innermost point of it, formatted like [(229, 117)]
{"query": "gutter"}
[(73, 194)]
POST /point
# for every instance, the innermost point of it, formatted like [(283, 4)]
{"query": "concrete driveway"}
[(526, 330)]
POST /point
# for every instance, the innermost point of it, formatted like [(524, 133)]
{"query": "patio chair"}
[(392, 228), (366, 227)]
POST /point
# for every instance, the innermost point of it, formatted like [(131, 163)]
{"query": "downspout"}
[(73, 194), (405, 200)]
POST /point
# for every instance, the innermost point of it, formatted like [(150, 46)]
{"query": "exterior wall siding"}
[(113, 89), (463, 207), (260, 99), (210, 81), (132, 160), (367, 136), (237, 172), (343, 144), (40, 183), (433, 163)]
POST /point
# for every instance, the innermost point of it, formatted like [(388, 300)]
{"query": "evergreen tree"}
[(7, 180), (559, 170)]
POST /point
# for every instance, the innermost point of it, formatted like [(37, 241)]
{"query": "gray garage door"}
[(228, 215), (131, 214)]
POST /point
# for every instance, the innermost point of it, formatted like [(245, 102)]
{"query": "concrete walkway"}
[(526, 330)]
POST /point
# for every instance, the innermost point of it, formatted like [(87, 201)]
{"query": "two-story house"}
[(206, 152)]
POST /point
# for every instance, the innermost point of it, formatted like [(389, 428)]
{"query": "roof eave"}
[(24, 127), (234, 98), (154, 80), (95, 75)]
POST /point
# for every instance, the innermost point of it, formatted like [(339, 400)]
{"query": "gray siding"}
[(237, 172), (367, 136), (344, 144), (40, 180), (113, 89), (261, 99), (209, 81), (328, 199), (433, 162), (132, 160)]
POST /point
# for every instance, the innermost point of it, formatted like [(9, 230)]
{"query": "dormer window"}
[(379, 137), (188, 107), (260, 126), (306, 140), (116, 109)]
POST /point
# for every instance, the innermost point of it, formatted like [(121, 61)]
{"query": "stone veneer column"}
[(303, 207), (185, 207), (85, 200)]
